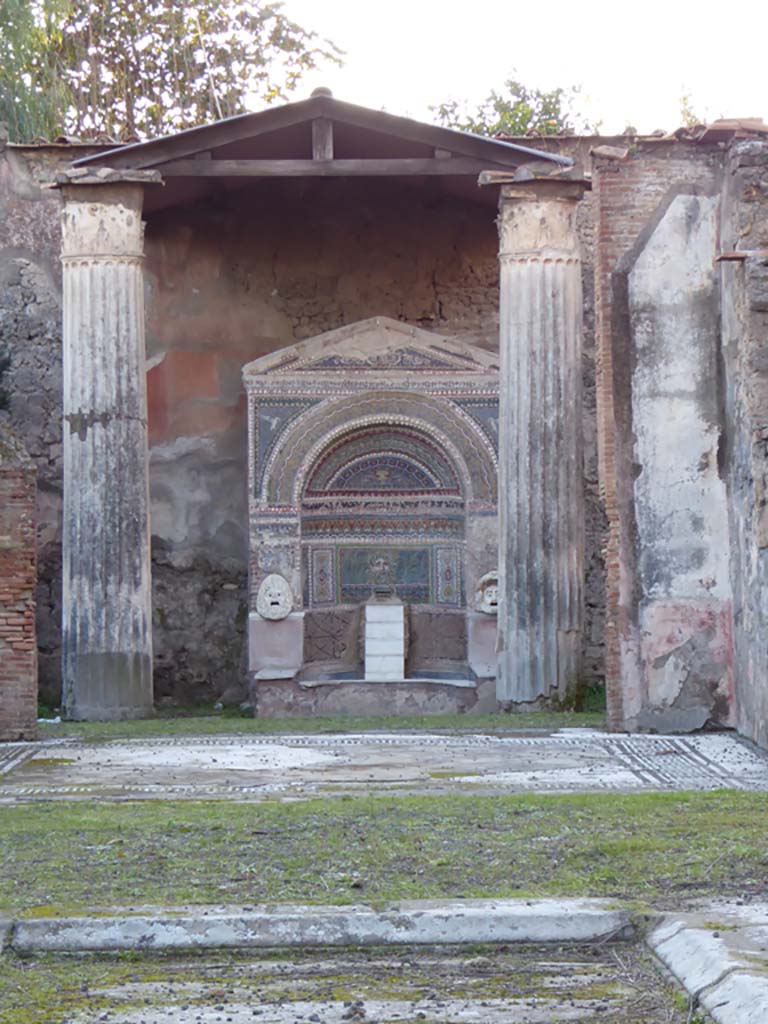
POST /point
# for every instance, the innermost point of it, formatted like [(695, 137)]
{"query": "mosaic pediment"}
[(375, 346), (396, 359)]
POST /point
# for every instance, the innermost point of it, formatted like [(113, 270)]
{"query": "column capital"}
[(102, 221), (537, 219)]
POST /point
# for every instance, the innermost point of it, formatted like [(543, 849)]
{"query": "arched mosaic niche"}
[(381, 459), (377, 440), (445, 421), (383, 491)]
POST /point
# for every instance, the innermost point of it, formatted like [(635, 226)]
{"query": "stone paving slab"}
[(487, 985), (421, 922), (720, 955), (248, 767)]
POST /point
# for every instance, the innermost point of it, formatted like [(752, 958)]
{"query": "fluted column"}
[(107, 637), (541, 502)]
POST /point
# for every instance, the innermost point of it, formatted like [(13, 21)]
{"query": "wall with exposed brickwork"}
[(18, 647), (668, 608)]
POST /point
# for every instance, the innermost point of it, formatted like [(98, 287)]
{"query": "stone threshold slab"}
[(420, 922), (378, 680), (720, 955)]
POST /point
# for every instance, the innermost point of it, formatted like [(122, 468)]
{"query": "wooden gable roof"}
[(320, 137)]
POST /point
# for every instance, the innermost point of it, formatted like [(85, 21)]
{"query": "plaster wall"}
[(30, 325), (679, 493)]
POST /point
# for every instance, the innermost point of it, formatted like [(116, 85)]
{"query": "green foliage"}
[(517, 110), (32, 91), (145, 67)]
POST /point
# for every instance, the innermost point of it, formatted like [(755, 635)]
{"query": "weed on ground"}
[(656, 849), (231, 722)]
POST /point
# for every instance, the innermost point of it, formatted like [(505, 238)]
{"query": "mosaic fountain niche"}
[(372, 476)]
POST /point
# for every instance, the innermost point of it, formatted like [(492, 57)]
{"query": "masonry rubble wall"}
[(30, 325), (18, 647), (660, 418), (744, 284), (302, 259)]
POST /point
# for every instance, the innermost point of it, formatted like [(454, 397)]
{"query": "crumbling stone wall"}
[(744, 281), (299, 258), (18, 647), (30, 327), (668, 604)]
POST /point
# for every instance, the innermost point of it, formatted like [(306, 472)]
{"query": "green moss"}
[(45, 762)]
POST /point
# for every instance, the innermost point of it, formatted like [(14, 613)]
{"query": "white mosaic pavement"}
[(249, 767)]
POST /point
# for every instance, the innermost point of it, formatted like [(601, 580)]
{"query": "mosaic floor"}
[(255, 767)]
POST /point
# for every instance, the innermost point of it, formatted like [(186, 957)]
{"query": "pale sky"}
[(633, 61)]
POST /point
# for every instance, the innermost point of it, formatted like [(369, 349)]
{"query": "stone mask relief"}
[(274, 599), (487, 594)]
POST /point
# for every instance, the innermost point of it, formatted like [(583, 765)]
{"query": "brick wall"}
[(18, 649)]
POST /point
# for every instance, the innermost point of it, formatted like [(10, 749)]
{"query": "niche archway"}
[(383, 490)]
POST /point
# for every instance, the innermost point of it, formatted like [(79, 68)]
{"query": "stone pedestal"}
[(481, 644), (385, 639), (541, 504), (107, 626), (275, 649)]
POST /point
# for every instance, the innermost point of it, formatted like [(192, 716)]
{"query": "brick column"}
[(18, 647), (107, 637), (541, 501)]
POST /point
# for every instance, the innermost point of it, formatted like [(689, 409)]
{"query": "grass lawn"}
[(195, 723), (653, 849)]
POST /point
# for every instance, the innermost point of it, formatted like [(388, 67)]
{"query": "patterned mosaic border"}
[(611, 763)]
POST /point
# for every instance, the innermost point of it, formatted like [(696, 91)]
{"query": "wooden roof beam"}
[(325, 168), (322, 139)]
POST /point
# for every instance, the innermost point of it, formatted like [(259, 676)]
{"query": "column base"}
[(105, 687)]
